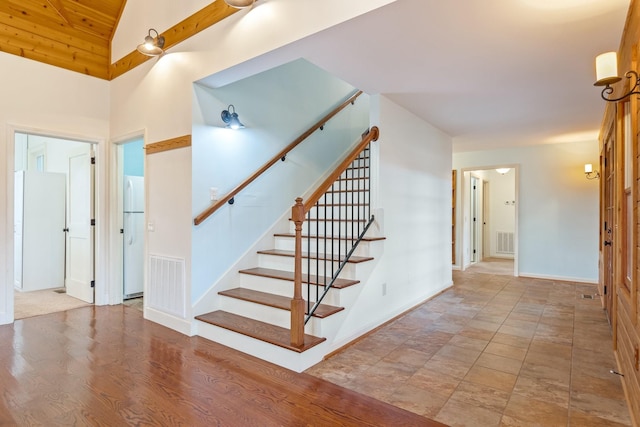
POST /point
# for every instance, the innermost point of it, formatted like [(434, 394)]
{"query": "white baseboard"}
[(559, 278), (183, 326)]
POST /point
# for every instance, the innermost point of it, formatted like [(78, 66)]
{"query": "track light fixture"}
[(230, 117), (239, 4), (152, 46), (607, 74)]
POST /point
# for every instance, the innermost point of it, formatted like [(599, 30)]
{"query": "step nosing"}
[(256, 329)]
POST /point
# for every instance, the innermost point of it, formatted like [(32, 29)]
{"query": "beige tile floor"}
[(493, 350)]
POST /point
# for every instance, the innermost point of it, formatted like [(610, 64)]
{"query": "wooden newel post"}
[(297, 303)]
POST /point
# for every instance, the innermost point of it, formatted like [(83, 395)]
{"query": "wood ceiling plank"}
[(39, 11), (93, 21), (57, 5), (108, 7), (98, 72), (204, 18), (50, 52), (71, 37)]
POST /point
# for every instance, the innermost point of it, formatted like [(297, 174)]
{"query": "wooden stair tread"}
[(304, 236), (259, 330), (280, 252), (288, 275), (277, 301)]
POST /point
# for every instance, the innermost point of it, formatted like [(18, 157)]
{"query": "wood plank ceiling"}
[(72, 34), (76, 34)]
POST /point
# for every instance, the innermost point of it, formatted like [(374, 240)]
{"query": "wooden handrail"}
[(370, 135), (219, 203)]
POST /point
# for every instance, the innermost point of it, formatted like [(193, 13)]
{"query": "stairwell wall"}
[(413, 212), (276, 106)]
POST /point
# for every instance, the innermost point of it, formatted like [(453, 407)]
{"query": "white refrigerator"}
[(133, 231)]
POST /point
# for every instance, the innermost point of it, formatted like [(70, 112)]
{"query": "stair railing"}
[(345, 213), (229, 197)]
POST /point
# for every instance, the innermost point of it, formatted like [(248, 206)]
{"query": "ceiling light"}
[(502, 171), (231, 118), (239, 4), (607, 74), (152, 46)]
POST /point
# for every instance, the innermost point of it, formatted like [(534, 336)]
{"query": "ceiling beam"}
[(206, 17)]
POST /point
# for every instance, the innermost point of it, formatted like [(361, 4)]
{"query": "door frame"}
[(101, 228), (464, 201)]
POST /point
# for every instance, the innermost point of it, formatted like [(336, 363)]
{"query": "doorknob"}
[(607, 242)]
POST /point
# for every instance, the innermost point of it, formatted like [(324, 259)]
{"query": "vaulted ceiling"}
[(77, 34), (72, 34)]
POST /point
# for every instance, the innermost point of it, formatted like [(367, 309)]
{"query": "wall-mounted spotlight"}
[(230, 117), (152, 46), (607, 74), (239, 4), (590, 173)]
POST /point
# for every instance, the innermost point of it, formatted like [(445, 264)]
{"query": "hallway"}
[(492, 351)]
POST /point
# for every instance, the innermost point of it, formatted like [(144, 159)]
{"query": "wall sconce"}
[(230, 117), (590, 173), (607, 74), (502, 171), (152, 46), (239, 4)]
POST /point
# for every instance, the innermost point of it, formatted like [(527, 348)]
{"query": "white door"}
[(43, 219), (80, 236)]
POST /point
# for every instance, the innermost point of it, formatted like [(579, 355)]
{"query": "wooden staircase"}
[(260, 306)]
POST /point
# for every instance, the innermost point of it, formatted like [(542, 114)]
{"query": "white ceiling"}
[(489, 73)]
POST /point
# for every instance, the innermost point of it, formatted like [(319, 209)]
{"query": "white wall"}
[(414, 198), (157, 96), (49, 100), (557, 207)]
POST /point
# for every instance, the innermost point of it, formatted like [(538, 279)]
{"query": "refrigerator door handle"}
[(132, 230), (130, 195)]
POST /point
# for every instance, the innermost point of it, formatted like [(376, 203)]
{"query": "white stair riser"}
[(263, 313), (285, 288), (289, 243), (297, 362), (286, 263)]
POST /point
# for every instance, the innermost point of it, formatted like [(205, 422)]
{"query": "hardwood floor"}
[(107, 366)]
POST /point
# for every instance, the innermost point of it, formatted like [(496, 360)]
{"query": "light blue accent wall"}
[(276, 107), (134, 158)]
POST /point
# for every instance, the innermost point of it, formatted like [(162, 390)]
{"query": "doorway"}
[(53, 223), (131, 209), (489, 214)]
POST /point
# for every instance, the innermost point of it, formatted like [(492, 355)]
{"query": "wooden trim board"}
[(168, 144)]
